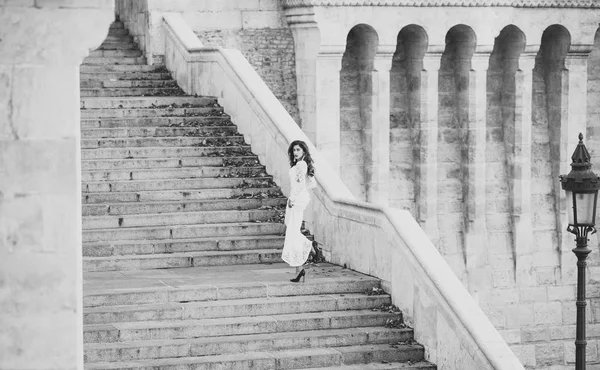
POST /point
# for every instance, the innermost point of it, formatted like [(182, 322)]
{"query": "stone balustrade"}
[(372, 239)]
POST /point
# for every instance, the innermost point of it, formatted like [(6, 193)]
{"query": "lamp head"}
[(581, 186)]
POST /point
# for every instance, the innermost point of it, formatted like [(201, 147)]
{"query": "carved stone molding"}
[(462, 3)]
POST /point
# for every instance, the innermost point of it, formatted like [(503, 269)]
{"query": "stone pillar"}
[(520, 158), (42, 47), (327, 105), (475, 220), (426, 182), (573, 121), (378, 135), (306, 47), (318, 83)]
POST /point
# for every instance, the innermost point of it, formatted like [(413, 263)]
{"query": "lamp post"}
[(581, 186)]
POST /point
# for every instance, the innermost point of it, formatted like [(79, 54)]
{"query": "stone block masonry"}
[(270, 51), (42, 44)]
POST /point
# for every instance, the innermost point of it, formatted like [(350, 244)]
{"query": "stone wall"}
[(255, 27), (270, 51), (355, 109), (523, 279), (42, 45)]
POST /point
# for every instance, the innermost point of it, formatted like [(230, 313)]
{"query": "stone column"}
[(306, 47), (573, 121), (42, 46), (475, 220), (520, 158), (327, 105), (378, 135), (426, 182)]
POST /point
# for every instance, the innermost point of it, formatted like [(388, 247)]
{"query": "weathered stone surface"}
[(40, 237)]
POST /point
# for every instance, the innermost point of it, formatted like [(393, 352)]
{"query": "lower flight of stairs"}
[(182, 237)]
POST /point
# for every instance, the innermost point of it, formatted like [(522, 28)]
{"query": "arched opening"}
[(405, 82), (592, 136), (501, 88), (453, 97), (546, 123), (593, 99), (355, 107)]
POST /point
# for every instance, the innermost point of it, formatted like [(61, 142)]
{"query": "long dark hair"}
[(307, 158)]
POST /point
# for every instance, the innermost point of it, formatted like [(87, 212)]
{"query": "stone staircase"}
[(182, 235)]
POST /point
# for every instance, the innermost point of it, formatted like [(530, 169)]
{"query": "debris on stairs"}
[(182, 236)]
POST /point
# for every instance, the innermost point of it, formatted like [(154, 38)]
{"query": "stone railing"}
[(382, 242), (461, 3)]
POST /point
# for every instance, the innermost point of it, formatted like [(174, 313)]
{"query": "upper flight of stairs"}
[(182, 237)]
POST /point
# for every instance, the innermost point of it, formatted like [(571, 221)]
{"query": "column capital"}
[(332, 55), (383, 61), (61, 47), (527, 61), (432, 61), (575, 60), (480, 61)]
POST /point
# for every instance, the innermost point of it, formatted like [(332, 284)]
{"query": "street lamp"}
[(581, 186)]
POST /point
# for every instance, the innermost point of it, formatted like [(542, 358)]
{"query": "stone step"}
[(178, 218), (116, 25), (233, 308), (134, 92), (281, 360), (206, 288), (124, 76), (87, 84), (176, 141), (148, 102), (126, 53), (169, 152), (119, 38), (147, 247), (178, 329), (156, 68), (147, 131), (165, 163), (184, 195), (118, 45), (181, 122), (138, 207), (181, 260), (151, 112), (113, 60), (183, 231), (189, 185), (387, 365), (172, 173), (118, 32), (142, 350)]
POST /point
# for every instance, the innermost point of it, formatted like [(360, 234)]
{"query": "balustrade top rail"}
[(460, 3)]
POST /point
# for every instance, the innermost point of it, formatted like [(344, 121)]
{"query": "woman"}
[(296, 247)]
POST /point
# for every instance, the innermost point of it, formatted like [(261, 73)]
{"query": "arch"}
[(593, 108), (361, 45), (546, 128), (405, 84), (355, 107), (500, 129), (453, 114), (556, 41)]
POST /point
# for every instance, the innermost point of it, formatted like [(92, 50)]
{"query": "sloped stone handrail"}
[(383, 242)]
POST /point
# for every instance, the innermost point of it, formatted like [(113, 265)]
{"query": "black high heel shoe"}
[(318, 253), (302, 275)]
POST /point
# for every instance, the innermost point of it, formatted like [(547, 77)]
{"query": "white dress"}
[(296, 246)]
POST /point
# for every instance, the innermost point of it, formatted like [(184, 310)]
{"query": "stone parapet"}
[(375, 240), (42, 46), (445, 3)]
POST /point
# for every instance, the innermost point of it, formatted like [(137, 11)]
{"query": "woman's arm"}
[(300, 178)]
